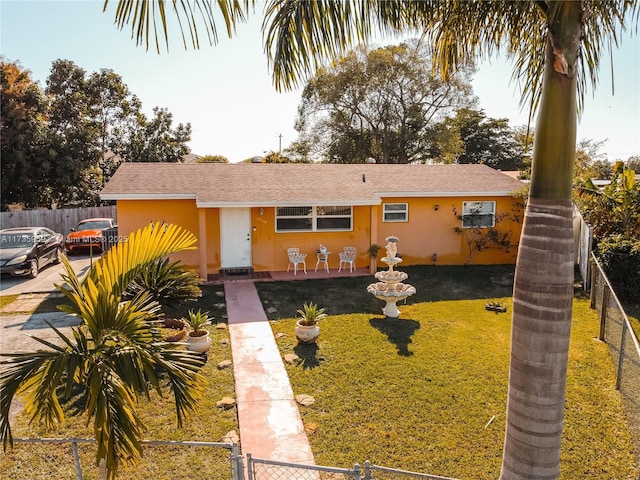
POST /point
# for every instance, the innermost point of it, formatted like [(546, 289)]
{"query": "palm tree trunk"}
[(543, 287)]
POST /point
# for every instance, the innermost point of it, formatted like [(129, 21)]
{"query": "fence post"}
[(238, 467), (621, 355), (606, 295), (593, 291), (367, 470), (249, 467), (76, 459)]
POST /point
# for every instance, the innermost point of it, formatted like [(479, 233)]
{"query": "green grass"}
[(427, 392)]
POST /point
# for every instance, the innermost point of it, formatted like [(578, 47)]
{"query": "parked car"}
[(24, 251), (88, 234)]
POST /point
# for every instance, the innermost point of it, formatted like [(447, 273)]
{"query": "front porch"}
[(279, 276)]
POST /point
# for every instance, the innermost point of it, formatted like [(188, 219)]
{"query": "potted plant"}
[(307, 329), (198, 339), (373, 254)]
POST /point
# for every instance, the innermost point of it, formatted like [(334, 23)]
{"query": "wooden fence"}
[(59, 220)]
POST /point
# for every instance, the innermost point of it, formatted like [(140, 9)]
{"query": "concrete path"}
[(268, 416)]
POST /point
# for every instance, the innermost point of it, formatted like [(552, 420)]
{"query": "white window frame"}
[(475, 211), (314, 214), (387, 212)]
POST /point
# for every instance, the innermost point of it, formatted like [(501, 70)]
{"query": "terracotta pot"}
[(307, 333), (199, 344)]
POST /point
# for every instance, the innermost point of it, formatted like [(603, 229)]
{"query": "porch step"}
[(236, 272)]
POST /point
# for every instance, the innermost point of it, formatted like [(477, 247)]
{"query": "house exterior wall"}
[(135, 214), (428, 231)]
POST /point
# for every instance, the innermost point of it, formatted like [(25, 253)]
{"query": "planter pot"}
[(199, 344), (307, 333)]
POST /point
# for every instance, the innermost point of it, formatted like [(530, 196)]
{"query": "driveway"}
[(45, 280), (16, 329)]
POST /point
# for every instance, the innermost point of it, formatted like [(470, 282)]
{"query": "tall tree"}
[(114, 113), (74, 149), (155, 140), (379, 103), (23, 126), (481, 140), (556, 46)]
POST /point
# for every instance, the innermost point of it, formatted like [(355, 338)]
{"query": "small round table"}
[(322, 257)]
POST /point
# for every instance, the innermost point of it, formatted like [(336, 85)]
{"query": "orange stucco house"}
[(246, 215)]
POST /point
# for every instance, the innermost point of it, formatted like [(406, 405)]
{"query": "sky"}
[(226, 91)]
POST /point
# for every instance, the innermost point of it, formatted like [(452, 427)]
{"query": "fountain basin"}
[(391, 293), (390, 276), (391, 290)]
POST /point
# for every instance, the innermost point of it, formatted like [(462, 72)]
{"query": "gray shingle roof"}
[(245, 184)]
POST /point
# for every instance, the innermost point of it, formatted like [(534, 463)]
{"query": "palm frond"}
[(148, 19)]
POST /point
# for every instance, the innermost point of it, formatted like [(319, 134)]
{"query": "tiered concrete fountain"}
[(390, 287)]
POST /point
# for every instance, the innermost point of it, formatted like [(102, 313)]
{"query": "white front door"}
[(235, 237)]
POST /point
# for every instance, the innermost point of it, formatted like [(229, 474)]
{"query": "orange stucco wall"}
[(428, 231), (270, 247), (134, 214)]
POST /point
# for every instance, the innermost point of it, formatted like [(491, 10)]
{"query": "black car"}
[(24, 251)]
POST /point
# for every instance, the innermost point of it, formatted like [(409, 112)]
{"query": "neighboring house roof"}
[(268, 184)]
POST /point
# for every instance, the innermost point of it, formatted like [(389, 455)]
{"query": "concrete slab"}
[(270, 424)]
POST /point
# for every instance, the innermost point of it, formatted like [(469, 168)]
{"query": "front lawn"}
[(427, 392)]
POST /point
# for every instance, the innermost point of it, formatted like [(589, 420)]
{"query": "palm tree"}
[(114, 356), (556, 46)]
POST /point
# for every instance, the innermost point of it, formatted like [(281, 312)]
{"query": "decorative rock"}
[(305, 400), (221, 326), (291, 358), (220, 294), (226, 403), (272, 310), (224, 341), (280, 335), (231, 437), (224, 364), (310, 428), (220, 305)]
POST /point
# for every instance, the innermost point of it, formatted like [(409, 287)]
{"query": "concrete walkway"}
[(268, 416)]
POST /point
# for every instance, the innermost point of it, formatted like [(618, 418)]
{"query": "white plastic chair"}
[(295, 258), (347, 255)]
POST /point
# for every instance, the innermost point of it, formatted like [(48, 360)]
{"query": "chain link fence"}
[(222, 461), (259, 469), (617, 331)]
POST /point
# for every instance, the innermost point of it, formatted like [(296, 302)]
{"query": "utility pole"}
[(279, 144)]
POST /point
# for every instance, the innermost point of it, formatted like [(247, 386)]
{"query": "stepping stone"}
[(226, 403), (280, 335), (231, 437), (224, 364), (305, 400), (310, 428), (291, 358), (224, 341), (222, 326)]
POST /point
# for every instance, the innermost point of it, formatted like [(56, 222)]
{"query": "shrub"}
[(620, 259), (168, 283)]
